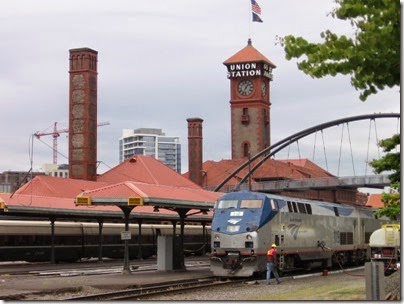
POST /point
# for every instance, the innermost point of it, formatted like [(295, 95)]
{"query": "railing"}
[(373, 181)]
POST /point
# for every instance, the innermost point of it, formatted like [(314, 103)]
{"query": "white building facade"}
[(151, 142), (56, 170)]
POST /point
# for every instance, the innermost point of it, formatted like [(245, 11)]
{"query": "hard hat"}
[(273, 245)]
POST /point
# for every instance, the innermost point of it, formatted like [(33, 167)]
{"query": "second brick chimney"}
[(195, 150)]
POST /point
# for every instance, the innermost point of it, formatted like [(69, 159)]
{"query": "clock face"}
[(245, 87), (263, 88)]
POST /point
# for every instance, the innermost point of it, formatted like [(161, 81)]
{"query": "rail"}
[(372, 181)]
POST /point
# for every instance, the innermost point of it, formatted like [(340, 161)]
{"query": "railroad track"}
[(157, 289), (66, 271)]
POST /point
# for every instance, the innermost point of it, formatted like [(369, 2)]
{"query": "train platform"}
[(45, 281)]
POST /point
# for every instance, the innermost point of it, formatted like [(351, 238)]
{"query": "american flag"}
[(256, 18), (255, 7)]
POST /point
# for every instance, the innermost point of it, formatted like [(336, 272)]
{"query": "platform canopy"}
[(132, 193)]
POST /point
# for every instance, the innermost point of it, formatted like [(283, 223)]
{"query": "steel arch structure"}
[(273, 149)]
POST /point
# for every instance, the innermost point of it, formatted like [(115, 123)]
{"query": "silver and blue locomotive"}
[(307, 233)]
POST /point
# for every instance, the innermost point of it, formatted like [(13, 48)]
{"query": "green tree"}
[(390, 163), (371, 56)]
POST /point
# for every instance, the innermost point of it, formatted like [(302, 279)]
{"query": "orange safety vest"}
[(271, 255)]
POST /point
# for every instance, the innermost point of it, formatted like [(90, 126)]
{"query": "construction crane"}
[(56, 133)]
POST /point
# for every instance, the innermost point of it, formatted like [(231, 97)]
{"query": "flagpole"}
[(249, 19)]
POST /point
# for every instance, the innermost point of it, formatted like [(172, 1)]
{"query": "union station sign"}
[(249, 69)]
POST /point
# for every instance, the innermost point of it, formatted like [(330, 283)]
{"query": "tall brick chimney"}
[(195, 150), (83, 114)]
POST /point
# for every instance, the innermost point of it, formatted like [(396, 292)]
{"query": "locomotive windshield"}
[(227, 204), (251, 204)]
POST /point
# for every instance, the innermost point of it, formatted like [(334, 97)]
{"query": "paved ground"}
[(18, 285)]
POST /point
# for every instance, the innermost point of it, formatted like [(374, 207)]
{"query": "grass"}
[(322, 292)]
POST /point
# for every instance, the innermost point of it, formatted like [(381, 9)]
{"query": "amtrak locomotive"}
[(307, 233)]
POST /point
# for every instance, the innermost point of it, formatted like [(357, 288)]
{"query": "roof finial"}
[(249, 42)]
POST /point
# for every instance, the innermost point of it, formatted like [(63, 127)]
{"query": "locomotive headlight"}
[(249, 237), (216, 236)]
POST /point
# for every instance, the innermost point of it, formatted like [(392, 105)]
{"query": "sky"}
[(161, 62)]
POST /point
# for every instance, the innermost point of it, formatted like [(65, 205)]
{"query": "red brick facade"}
[(83, 114), (195, 150), (250, 74)]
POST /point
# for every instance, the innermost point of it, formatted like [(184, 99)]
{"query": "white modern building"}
[(151, 142), (56, 170)]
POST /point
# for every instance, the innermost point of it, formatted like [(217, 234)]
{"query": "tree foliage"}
[(390, 163), (371, 56)]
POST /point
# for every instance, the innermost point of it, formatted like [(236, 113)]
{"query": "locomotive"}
[(308, 234), (31, 240)]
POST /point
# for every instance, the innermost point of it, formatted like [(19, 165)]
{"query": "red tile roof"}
[(48, 186), (136, 189), (307, 167), (145, 169), (128, 189), (35, 201), (271, 169), (139, 176), (375, 201), (248, 54)]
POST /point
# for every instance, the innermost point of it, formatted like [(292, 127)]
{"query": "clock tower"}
[(250, 74)]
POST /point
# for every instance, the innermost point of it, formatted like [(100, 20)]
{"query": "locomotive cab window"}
[(251, 204), (226, 204), (274, 204)]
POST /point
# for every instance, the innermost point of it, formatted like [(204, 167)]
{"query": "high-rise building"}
[(151, 142)]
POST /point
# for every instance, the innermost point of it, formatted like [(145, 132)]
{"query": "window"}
[(227, 204), (246, 149), (274, 204), (251, 204)]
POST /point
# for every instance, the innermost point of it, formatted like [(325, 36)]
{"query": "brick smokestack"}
[(195, 150), (83, 114)]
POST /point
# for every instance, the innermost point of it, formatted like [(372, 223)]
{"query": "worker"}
[(272, 264)]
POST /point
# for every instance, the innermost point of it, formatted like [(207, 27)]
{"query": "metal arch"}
[(292, 138)]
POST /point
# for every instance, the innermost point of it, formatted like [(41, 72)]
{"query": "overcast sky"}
[(159, 63)]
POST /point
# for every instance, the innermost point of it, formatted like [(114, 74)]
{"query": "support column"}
[(53, 260), (126, 212), (100, 225), (139, 253)]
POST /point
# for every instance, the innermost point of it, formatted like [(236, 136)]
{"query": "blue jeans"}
[(271, 268)]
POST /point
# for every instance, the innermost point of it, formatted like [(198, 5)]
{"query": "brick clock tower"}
[(250, 74), (83, 114)]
